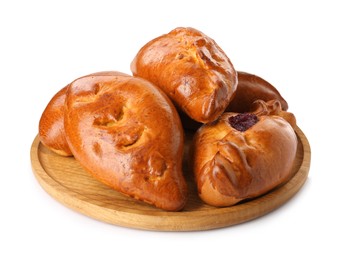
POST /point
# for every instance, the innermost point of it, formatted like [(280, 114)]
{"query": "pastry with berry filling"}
[(242, 156)]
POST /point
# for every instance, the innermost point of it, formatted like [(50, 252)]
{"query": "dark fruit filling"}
[(242, 122)]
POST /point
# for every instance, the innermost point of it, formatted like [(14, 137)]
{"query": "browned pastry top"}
[(192, 70), (274, 108), (251, 88), (242, 156), (51, 125), (127, 133)]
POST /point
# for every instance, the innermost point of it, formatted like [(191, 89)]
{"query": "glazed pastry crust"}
[(51, 125), (251, 88), (231, 166), (191, 69), (127, 134), (273, 108)]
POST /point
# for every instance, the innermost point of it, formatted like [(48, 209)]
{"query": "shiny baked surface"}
[(251, 88), (191, 69), (234, 160), (128, 135)]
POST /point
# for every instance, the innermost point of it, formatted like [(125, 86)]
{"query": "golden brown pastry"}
[(191, 69), (51, 125), (128, 135), (242, 156), (274, 108), (251, 88)]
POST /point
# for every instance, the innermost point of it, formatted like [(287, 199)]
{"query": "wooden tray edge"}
[(158, 222)]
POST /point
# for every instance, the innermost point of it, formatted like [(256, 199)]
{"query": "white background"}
[(44, 45)]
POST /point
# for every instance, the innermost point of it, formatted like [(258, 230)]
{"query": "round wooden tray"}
[(65, 180)]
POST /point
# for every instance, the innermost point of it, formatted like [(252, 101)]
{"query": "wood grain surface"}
[(66, 181)]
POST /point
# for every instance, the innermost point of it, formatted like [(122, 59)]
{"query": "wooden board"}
[(65, 180)]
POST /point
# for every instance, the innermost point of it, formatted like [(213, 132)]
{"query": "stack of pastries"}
[(128, 131)]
